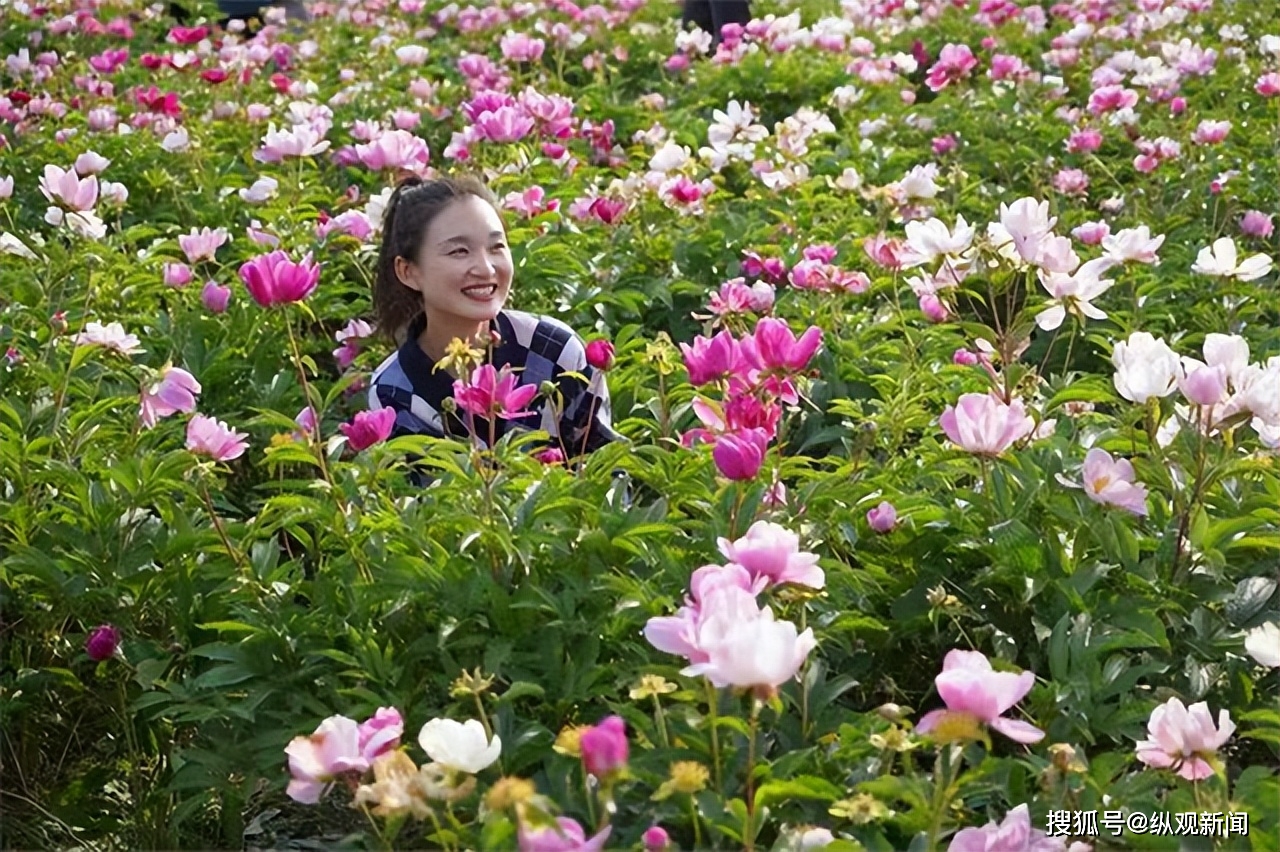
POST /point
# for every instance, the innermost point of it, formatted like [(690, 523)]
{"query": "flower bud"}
[(883, 518), (656, 839), (103, 642), (600, 354), (604, 747)]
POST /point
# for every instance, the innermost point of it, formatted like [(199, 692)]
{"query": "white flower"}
[(110, 336), (1075, 293), (918, 183), (263, 188), (1134, 244), (735, 123), (849, 180), (931, 239), (461, 747), (176, 141), (1263, 644), (1027, 223), (670, 158), (1221, 259), (411, 54), (1145, 367), (9, 244)]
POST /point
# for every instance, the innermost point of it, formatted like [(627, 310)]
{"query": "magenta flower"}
[(175, 391), (883, 518), (1015, 834), (777, 348), (655, 839), (955, 61), (215, 297), (604, 747), (380, 733), (711, 359), (983, 424), (274, 279), (565, 836), (102, 643), (772, 552), (213, 438), (368, 428), (975, 694), (490, 392), (177, 274), (600, 354), (1184, 739), (740, 455), (1111, 482), (315, 761)]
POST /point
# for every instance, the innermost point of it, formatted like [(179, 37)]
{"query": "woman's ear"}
[(408, 274)]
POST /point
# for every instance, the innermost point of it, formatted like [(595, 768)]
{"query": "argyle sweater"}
[(538, 349)]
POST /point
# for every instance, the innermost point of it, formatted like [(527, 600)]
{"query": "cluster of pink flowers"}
[(756, 375), (816, 271), (496, 116), (721, 629)]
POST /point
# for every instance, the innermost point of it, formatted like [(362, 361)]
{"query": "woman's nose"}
[(484, 267)]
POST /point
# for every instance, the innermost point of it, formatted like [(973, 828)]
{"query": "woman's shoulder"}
[(545, 335)]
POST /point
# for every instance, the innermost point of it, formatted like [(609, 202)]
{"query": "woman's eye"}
[(458, 252), (499, 246)]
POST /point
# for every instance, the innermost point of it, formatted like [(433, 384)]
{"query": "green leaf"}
[(804, 787), (521, 689)]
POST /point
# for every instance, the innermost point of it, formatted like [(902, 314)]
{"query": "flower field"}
[(942, 348)]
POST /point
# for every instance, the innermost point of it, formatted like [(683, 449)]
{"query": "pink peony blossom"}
[(566, 836), (213, 438), (490, 392), (883, 518), (1184, 739), (174, 392), (772, 553), (983, 424), (274, 279), (315, 761), (1014, 834), (605, 748), (368, 428), (740, 455), (102, 643), (202, 244), (1110, 482), (977, 694), (380, 733)]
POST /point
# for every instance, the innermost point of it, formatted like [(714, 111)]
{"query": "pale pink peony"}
[(213, 438), (566, 836), (315, 761), (175, 391), (1014, 834), (1110, 482), (976, 693), (772, 552), (381, 732), (1184, 739), (982, 423)]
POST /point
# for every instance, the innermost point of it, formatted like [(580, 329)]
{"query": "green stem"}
[(697, 832), (940, 787), (749, 830), (661, 720), (488, 729), (712, 700), (232, 551)]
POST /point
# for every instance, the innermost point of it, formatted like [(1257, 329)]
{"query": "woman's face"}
[(463, 268)]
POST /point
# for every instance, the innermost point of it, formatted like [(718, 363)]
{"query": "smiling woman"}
[(444, 274)]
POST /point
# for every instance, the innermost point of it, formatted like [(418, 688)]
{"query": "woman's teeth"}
[(482, 292)]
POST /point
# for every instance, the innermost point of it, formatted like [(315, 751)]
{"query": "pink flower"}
[(102, 643), (711, 359), (600, 354), (1203, 384), (202, 244), (566, 836), (1110, 482), (1184, 739), (955, 61), (380, 733), (1111, 98), (678, 634), (317, 760), (175, 391), (551, 455), (739, 456), (1133, 244), (213, 438), (655, 839), (1211, 132), (772, 553), (1015, 834), (368, 428), (1268, 85), (68, 189), (274, 279), (1255, 223), (1084, 140), (983, 424), (490, 392), (749, 650), (1071, 182), (177, 274), (505, 124), (518, 47), (395, 149), (215, 297), (605, 747), (777, 348), (883, 518), (1091, 233), (976, 694)]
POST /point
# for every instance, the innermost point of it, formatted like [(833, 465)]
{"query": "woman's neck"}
[(438, 334)]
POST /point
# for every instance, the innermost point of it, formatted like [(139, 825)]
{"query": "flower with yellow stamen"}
[(651, 685)]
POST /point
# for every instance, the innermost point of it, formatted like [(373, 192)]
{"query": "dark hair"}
[(413, 205)]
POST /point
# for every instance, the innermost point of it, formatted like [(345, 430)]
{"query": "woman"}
[(444, 274)]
